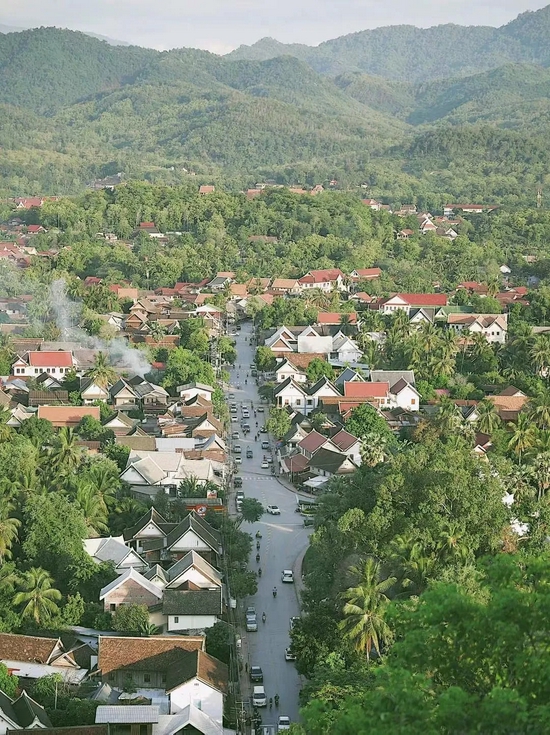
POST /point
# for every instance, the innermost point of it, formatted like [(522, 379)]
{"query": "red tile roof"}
[(312, 441), (321, 276), (368, 272), (156, 653), (356, 389), (51, 359), (333, 317), (422, 299)]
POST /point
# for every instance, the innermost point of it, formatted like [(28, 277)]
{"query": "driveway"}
[(284, 539)]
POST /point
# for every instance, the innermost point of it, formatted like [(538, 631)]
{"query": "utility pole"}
[(539, 197)]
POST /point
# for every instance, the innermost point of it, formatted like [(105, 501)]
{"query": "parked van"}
[(258, 697)]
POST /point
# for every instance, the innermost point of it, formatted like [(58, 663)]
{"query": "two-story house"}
[(32, 364)]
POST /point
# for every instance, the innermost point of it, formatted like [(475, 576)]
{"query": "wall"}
[(129, 593), (191, 622), (200, 695)]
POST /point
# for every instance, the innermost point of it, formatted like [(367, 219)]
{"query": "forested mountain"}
[(407, 53), (75, 109)]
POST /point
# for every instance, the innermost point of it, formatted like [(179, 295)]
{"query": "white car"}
[(234, 418), (287, 576), (289, 656), (265, 465), (283, 723), (274, 510), (238, 460)]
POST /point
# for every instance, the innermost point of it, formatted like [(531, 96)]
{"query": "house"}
[(392, 376), (404, 234), (67, 416), (372, 204), (376, 393), (207, 189), (168, 469), (327, 463), (200, 681), (191, 611), (122, 425), (148, 661), (494, 327), (21, 713), (366, 274), (129, 588), (32, 364), (405, 396), (292, 394), (286, 369), (509, 403), (150, 229), (327, 279), (113, 549), (311, 443), (192, 571), (285, 285), (90, 391), (347, 374), (283, 340), (332, 317), (32, 657), (407, 301), (48, 397), (123, 395), (190, 390), (321, 389), (312, 340), (155, 538), (347, 444), (449, 209), (345, 350)]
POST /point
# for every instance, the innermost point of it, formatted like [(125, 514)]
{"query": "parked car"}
[(235, 435), (231, 396), (263, 430), (287, 576), (237, 482), (234, 418), (289, 656), (238, 459), (283, 723), (265, 445), (274, 510), (240, 495), (251, 623), (250, 610), (293, 620), (256, 674), (309, 522), (237, 449), (258, 697)]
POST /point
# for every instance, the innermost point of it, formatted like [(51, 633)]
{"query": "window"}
[(112, 607), (298, 401), (176, 619), (413, 401), (147, 678)]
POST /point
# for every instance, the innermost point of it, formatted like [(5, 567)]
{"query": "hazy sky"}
[(220, 25)]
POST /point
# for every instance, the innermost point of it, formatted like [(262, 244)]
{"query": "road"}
[(283, 541)]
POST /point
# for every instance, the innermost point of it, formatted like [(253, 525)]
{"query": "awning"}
[(315, 483)]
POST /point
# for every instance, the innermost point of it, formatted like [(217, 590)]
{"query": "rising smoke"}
[(68, 315)]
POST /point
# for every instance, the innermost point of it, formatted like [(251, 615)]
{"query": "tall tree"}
[(37, 597), (102, 373)]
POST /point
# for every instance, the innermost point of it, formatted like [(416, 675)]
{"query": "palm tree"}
[(540, 354), (374, 449), (429, 336), (65, 455), (414, 350), (345, 323), (105, 481), (539, 410), (102, 373), (412, 562), (400, 324), (365, 607), (5, 430), (524, 435), (8, 529), (451, 545), (540, 470), (93, 508), (488, 420), (449, 417), (37, 597)]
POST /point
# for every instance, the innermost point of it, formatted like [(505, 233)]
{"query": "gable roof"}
[(368, 273), (354, 389), (333, 317), (392, 376), (285, 384), (152, 516), (192, 559), (348, 374), (51, 359), (200, 665), (401, 385), (343, 440), (156, 653), (192, 602), (23, 711), (29, 648), (326, 459), (109, 549), (131, 574), (321, 383), (312, 442), (201, 528)]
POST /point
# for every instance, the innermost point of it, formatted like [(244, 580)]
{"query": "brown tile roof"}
[(302, 359), (157, 653), (333, 317), (511, 391), (356, 389), (312, 441), (297, 463), (29, 648), (199, 664), (343, 440), (67, 415), (509, 403)]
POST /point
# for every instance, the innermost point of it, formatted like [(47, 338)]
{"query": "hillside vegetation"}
[(75, 109)]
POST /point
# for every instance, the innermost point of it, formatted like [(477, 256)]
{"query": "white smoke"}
[(68, 315)]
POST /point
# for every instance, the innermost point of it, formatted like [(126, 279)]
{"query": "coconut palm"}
[(488, 420), (345, 323), (5, 430), (540, 354), (524, 435), (105, 481), (400, 324), (37, 597), (441, 364), (429, 337), (8, 529), (539, 410), (540, 472), (412, 562), (365, 607), (102, 373), (93, 508), (414, 350), (65, 455), (157, 331), (449, 417)]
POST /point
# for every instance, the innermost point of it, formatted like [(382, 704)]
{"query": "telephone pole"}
[(539, 197)]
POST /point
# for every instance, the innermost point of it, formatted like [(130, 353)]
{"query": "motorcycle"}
[(258, 534), (274, 591)]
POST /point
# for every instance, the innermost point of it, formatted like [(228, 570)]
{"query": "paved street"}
[(283, 541)]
